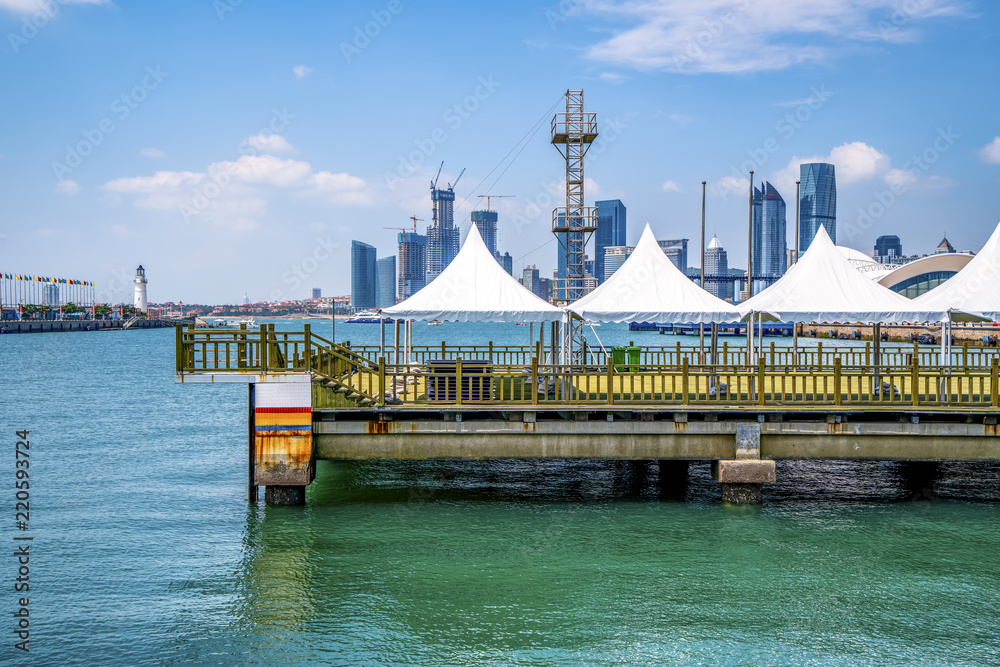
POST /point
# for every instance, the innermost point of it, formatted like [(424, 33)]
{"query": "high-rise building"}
[(442, 234), (544, 289), (486, 222), (506, 261), (50, 294), (412, 263), (588, 267), (385, 282), (531, 280), (677, 251), (317, 293), (817, 202), (362, 275), (888, 249), (768, 234), (716, 268), (611, 229), (614, 257)]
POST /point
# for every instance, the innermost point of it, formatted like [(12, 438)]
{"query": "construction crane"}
[(451, 186), (488, 197), (415, 220), (434, 183)]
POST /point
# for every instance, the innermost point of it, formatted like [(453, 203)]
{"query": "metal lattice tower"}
[(572, 134)]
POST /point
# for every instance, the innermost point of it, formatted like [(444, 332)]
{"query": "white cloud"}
[(680, 118), (730, 185), (229, 192), (612, 77), (855, 162), (301, 71), (47, 7), (269, 143), (991, 152), (152, 152), (899, 178), (670, 186), (67, 187), (735, 36)]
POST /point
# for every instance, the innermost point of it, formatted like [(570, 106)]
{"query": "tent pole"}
[(381, 336), (396, 346), (701, 326), (795, 344), (531, 333), (877, 348)]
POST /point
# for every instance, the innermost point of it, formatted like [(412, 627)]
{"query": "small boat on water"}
[(249, 321), (434, 323)]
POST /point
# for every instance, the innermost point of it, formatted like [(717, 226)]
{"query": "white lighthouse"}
[(140, 289)]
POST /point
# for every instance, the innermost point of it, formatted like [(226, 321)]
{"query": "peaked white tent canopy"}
[(823, 286), (475, 288), (649, 288), (972, 294)]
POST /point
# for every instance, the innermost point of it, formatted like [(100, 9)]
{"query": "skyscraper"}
[(506, 261), (412, 261), (717, 266), (817, 202), (531, 280), (317, 292), (442, 234), (611, 229), (768, 234), (888, 248), (362, 275), (677, 251), (486, 221), (385, 281), (614, 257)]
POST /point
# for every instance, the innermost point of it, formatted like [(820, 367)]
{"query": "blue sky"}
[(236, 147)]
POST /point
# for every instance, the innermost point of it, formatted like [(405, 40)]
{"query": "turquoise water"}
[(146, 552)]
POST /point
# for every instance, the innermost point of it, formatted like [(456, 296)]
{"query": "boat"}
[(249, 321), (434, 323), (370, 316)]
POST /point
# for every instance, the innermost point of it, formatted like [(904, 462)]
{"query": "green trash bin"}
[(633, 357), (618, 358)]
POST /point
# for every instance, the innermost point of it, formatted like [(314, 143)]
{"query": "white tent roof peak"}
[(823, 286), (475, 288), (649, 288), (975, 290)]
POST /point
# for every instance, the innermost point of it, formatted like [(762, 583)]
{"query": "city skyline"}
[(249, 158)]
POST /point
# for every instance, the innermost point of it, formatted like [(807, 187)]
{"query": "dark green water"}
[(146, 552)]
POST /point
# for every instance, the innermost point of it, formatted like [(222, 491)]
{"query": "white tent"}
[(972, 294), (475, 288), (649, 288), (823, 286)]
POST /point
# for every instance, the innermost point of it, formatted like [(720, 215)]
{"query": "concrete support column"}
[(285, 495), (743, 477), (636, 476), (283, 447)]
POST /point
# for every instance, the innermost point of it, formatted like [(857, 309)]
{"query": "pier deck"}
[(500, 402)]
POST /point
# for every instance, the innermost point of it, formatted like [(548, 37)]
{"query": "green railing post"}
[(760, 381), (263, 348), (994, 377), (308, 348), (179, 347), (837, 400), (611, 381), (241, 347), (458, 380), (914, 381), (684, 381), (534, 380), (381, 382)]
